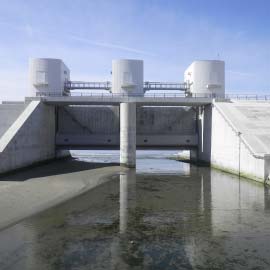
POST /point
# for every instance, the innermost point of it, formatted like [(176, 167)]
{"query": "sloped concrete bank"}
[(29, 137), (240, 139), (21, 199)]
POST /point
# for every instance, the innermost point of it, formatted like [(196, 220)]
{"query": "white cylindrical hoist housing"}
[(127, 77), (47, 76), (206, 78)]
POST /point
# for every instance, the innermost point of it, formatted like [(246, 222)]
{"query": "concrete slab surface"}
[(252, 119), (22, 196)]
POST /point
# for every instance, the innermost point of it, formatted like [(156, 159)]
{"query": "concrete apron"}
[(19, 200)]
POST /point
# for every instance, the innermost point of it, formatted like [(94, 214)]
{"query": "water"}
[(167, 215)]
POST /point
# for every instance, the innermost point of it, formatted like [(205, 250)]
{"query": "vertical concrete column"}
[(205, 134), (128, 134)]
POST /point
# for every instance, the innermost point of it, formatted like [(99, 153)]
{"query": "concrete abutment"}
[(30, 139)]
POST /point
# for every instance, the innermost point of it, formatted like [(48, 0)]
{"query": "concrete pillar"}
[(128, 134), (205, 134)]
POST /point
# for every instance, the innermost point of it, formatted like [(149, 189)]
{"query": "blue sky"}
[(167, 35)]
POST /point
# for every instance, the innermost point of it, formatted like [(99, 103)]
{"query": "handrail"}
[(117, 95), (247, 96), (73, 85), (148, 86)]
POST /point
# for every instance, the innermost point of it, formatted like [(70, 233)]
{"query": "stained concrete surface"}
[(252, 119), (30, 139), (240, 135), (99, 126)]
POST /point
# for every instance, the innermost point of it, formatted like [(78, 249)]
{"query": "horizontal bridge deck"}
[(116, 100)]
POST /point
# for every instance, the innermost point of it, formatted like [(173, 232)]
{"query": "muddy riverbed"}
[(165, 215)]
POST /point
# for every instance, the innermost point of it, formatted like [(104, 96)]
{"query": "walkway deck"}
[(172, 100)]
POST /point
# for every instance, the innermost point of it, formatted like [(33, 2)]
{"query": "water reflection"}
[(127, 197), (200, 219)]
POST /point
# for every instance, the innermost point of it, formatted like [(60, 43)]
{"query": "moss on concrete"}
[(220, 168), (245, 175)]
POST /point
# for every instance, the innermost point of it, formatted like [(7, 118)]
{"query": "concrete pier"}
[(204, 134), (128, 134)]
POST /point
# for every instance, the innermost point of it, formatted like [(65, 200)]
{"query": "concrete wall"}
[(156, 126), (166, 126), (30, 139), (86, 120), (166, 120), (8, 114), (231, 152), (234, 137)]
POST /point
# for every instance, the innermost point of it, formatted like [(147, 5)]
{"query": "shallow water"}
[(167, 215)]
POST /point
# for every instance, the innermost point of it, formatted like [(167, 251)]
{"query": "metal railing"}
[(252, 97), (148, 86), (123, 95), (247, 97), (73, 85)]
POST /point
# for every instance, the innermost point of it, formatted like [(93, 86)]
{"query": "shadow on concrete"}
[(53, 168)]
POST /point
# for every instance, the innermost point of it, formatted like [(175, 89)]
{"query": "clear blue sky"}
[(167, 34)]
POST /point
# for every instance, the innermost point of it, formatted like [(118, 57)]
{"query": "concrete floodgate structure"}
[(228, 134)]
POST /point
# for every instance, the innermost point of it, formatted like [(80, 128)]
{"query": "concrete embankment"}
[(21, 196), (240, 139), (28, 135)]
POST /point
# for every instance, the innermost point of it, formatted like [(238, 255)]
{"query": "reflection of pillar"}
[(127, 201), (207, 192), (123, 203), (128, 134), (201, 197), (266, 197), (127, 197)]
